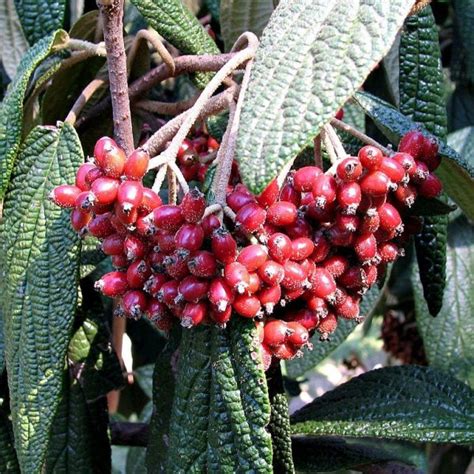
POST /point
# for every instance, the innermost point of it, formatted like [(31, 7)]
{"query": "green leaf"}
[(8, 459), (463, 46), (316, 454), (313, 55), (40, 263), (40, 18), (456, 171), (180, 27), (221, 407), (422, 99), (13, 44), (407, 402), (448, 339), (11, 109), (214, 8), (238, 16), (321, 349), (431, 207), (279, 426), (461, 108)]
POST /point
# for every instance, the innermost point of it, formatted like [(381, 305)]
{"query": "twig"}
[(159, 178), (181, 179), (329, 146), (208, 158), (81, 101), (159, 139), (184, 64), (81, 45), (152, 37), (338, 147), (111, 12), (212, 209), (172, 188), (318, 158), (166, 108), (361, 136)]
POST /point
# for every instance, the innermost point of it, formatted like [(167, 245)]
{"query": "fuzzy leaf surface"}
[(456, 171), (40, 263), (238, 16), (11, 108), (407, 402), (313, 56)]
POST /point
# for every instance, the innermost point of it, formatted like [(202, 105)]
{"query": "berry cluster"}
[(323, 239)]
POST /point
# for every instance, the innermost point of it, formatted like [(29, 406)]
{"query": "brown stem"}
[(318, 157), (81, 101), (183, 64), (111, 12), (338, 147), (172, 188), (166, 108), (329, 146)]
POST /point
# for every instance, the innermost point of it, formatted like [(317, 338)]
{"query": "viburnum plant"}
[(234, 186)]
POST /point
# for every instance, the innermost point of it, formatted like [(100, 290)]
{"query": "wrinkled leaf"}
[(461, 108), (13, 44), (313, 55), (11, 109), (463, 45), (40, 18), (40, 263), (456, 171), (449, 339), (407, 402), (238, 16)]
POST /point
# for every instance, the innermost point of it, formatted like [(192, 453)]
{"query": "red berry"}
[(321, 215), (193, 289), (154, 283), (133, 247), (290, 194), (269, 297), (370, 157), (349, 196), (336, 265), (339, 114), (105, 190), (324, 190), (421, 173), (354, 278), (407, 161), (168, 293), (412, 143), (80, 220), (304, 178), (253, 256), (190, 237), (271, 273), (250, 217), (247, 306), (322, 247), (112, 284), (322, 284), (144, 226), (370, 221), (388, 251), (375, 184), (394, 170), (431, 187), (158, 313), (129, 215), (302, 248), (210, 224), (295, 276), (237, 277), (168, 217), (101, 226), (138, 273), (81, 174), (280, 247), (282, 213), (203, 264), (223, 245), (406, 195), (365, 247), (347, 223), (176, 264), (237, 199), (299, 334), (371, 274), (65, 195), (134, 303), (136, 165), (130, 195), (430, 153), (307, 318), (269, 195), (109, 157), (390, 218), (285, 352), (113, 245), (92, 175), (300, 228), (349, 169), (85, 202), (193, 206), (327, 326), (349, 308), (339, 237), (275, 332), (119, 261), (221, 318), (165, 241), (150, 201), (220, 294)]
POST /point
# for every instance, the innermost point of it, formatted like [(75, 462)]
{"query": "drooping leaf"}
[(40, 263), (11, 109), (448, 339), (13, 44), (180, 27), (456, 171), (324, 453), (279, 426), (463, 45), (321, 349), (39, 19), (461, 108), (421, 87), (238, 16), (313, 55), (221, 402), (406, 402)]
